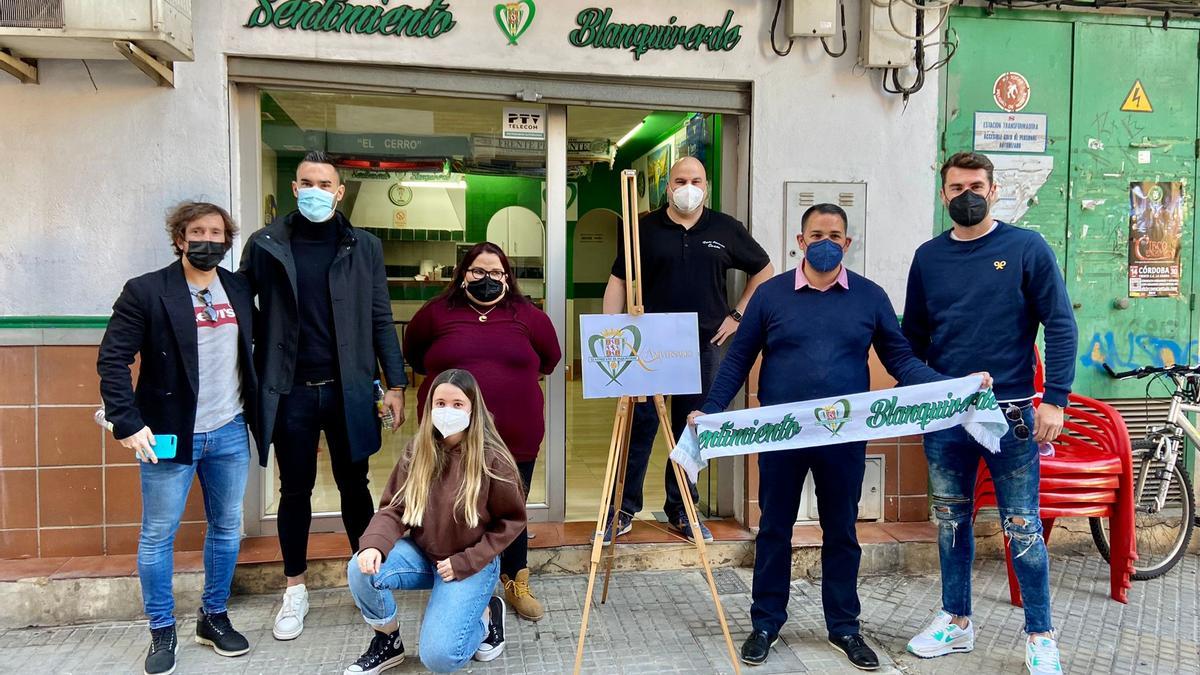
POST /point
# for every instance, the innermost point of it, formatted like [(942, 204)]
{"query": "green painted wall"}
[(1080, 69)]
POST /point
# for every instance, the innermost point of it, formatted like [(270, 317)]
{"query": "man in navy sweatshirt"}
[(815, 327), (976, 298)]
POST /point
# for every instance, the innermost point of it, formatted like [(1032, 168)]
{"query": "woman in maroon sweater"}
[(483, 324)]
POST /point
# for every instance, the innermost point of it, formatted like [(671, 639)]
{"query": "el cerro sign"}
[(334, 16)]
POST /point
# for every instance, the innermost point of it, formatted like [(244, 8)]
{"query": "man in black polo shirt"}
[(686, 251)]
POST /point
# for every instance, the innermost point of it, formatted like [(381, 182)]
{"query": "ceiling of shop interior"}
[(373, 113)]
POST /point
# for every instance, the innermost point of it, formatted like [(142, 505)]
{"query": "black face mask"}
[(205, 255), (486, 289), (967, 209)]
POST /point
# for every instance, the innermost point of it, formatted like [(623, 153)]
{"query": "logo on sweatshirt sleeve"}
[(999, 264)]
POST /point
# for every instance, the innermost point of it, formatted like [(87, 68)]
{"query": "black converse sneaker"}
[(215, 631), (160, 660), (493, 642), (386, 651)]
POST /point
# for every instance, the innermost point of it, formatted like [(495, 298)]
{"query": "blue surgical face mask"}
[(315, 204), (824, 255)]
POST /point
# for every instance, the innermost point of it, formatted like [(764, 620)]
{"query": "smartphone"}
[(164, 445)]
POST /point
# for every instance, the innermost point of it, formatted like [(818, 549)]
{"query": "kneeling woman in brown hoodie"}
[(455, 492)]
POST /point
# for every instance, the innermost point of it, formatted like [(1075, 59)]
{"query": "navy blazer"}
[(154, 317)]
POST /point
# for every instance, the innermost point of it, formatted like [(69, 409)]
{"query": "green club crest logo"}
[(514, 18), (833, 416), (618, 349)]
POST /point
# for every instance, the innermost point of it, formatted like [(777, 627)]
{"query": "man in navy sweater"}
[(976, 297), (815, 327)]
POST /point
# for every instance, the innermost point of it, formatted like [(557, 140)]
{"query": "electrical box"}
[(86, 29), (870, 504), (811, 18), (852, 197), (880, 45)]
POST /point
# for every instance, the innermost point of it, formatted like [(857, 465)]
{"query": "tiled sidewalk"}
[(661, 622)]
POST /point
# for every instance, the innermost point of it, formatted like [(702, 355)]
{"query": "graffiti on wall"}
[(1133, 350)]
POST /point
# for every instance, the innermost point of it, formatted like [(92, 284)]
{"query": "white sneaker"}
[(943, 637), (289, 622), (1041, 656)]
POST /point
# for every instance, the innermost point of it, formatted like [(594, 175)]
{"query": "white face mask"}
[(450, 421), (687, 199)]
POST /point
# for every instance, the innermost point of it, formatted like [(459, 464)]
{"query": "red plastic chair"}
[(1090, 475)]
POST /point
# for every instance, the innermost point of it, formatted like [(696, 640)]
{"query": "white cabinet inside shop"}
[(518, 231), (870, 504)]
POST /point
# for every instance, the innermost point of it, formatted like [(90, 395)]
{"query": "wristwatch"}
[(735, 315)]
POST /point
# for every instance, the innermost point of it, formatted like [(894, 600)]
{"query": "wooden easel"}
[(618, 449)]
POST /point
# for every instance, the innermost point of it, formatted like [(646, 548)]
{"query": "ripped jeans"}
[(953, 463)]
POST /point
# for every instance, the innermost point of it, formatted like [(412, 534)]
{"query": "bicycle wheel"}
[(1162, 537)]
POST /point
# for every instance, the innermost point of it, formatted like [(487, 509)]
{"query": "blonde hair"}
[(426, 459)]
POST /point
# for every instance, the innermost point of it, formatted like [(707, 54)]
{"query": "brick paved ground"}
[(660, 622)]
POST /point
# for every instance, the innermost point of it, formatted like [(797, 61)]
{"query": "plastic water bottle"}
[(1046, 449), (387, 418)]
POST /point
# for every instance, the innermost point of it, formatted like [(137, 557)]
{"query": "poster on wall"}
[(657, 171), (1155, 235), (1018, 179), (643, 193)]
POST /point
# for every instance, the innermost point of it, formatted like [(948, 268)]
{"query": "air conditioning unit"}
[(152, 34)]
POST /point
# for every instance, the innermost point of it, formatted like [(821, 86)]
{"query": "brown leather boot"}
[(518, 596)]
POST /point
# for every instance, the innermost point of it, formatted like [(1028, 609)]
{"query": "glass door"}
[(430, 177)]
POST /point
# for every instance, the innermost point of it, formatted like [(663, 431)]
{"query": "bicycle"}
[(1164, 499)]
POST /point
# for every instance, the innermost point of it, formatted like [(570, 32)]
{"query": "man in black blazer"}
[(191, 324), (324, 328)]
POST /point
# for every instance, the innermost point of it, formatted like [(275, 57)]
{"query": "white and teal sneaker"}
[(943, 637), (1041, 656)]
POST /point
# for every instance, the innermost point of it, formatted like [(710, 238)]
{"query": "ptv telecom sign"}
[(524, 123)]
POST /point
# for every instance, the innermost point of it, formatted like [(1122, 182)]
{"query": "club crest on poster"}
[(626, 355)]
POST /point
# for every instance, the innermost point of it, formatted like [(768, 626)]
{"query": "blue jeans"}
[(1016, 472), (220, 458), (453, 625)]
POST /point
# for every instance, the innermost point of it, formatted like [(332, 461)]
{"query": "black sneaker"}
[(856, 649), (386, 651), (493, 643), (160, 660), (680, 523), (215, 631), (757, 647)]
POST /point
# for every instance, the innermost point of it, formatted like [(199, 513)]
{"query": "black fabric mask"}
[(486, 289), (205, 255), (969, 208)]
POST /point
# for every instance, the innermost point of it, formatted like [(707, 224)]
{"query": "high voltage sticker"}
[(1137, 101)]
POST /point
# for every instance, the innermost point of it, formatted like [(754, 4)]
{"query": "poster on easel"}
[(1155, 236), (627, 355)]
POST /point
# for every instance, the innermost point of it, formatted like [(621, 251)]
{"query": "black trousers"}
[(838, 473), (303, 415), (645, 430), (516, 557)]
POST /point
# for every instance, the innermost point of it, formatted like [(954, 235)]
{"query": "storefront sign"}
[(342, 16), (597, 31), (626, 355), (1010, 132), (514, 18), (485, 146), (1155, 234), (397, 145), (524, 123)]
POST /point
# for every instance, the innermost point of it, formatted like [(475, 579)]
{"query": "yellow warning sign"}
[(1137, 101)]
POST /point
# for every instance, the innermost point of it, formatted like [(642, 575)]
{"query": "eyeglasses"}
[(209, 311), (1015, 414), (477, 273)]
